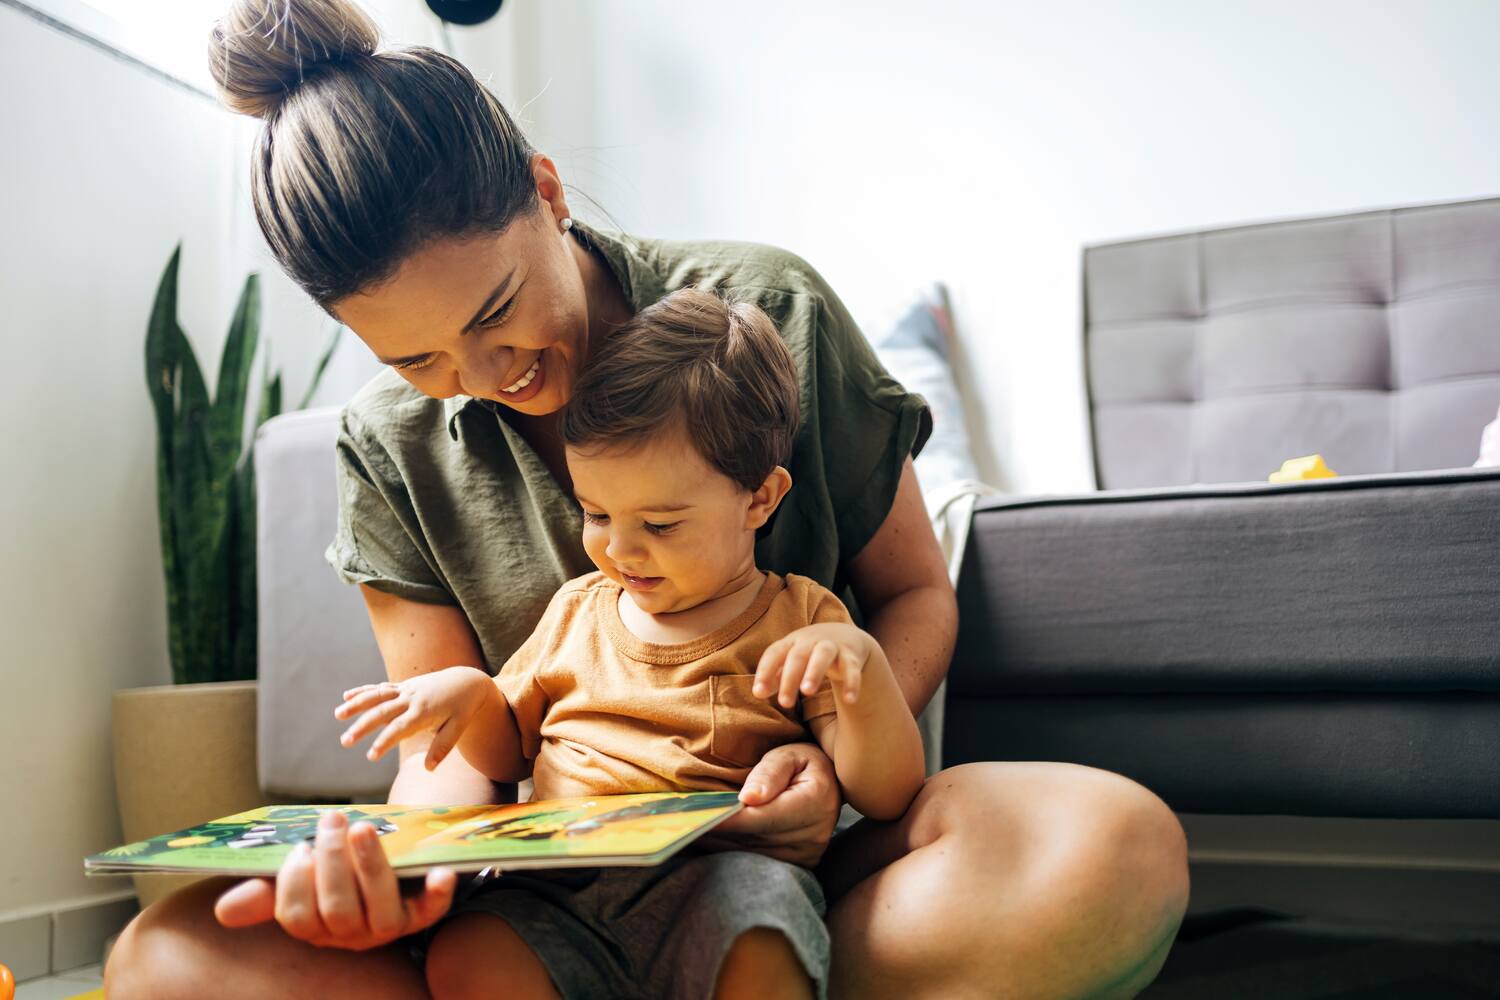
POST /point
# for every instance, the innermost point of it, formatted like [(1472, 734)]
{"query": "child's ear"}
[(764, 501)]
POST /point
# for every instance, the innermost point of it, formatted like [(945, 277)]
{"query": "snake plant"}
[(205, 479)]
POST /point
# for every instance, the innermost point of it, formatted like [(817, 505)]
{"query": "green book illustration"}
[(597, 831)]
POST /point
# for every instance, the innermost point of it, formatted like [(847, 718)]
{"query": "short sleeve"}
[(520, 679), (374, 541), (829, 609), (868, 425)]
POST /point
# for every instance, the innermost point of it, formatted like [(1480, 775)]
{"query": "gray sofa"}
[(1329, 648), (1323, 648)]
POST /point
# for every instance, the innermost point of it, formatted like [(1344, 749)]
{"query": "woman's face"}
[(501, 316)]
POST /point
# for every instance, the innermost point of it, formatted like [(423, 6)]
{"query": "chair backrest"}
[(1373, 339), (314, 635)]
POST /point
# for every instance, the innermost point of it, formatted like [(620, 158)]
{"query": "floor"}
[(1250, 955), (64, 985)]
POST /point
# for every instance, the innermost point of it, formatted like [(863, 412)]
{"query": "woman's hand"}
[(441, 702), (791, 803), (341, 893), (800, 660)]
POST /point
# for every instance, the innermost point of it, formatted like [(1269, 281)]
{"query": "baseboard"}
[(1470, 845), (47, 941)]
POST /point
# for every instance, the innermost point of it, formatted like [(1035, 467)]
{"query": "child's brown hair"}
[(718, 369)]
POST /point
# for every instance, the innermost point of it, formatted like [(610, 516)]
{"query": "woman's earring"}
[(567, 223)]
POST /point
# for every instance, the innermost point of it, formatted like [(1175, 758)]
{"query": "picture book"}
[(598, 831)]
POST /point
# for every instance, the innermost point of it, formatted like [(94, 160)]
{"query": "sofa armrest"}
[(314, 637)]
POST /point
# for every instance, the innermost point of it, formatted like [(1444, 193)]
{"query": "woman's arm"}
[(901, 582), (413, 639)]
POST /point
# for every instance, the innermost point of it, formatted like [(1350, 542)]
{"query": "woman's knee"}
[(154, 956), (1095, 850), (477, 955), (1081, 819), (177, 948)]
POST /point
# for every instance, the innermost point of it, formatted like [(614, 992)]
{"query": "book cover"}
[(597, 831)]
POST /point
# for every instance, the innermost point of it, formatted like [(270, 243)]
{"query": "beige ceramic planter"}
[(184, 754)]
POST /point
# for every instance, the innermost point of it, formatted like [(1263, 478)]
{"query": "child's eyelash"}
[(655, 529), (494, 321)]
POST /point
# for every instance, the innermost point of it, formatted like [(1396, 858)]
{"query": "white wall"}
[(984, 143), (104, 167)]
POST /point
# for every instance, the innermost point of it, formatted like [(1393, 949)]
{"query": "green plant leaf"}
[(198, 516), (270, 400), (227, 423), (163, 370)]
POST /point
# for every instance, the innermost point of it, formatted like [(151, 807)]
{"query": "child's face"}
[(668, 527)]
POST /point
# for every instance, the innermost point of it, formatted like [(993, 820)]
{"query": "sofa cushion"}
[(1364, 583)]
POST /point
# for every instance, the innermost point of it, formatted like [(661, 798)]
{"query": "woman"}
[(399, 194)]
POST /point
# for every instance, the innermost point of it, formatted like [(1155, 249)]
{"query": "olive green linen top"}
[(443, 501)]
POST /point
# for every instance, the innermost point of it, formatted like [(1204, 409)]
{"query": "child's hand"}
[(801, 660), (442, 701)]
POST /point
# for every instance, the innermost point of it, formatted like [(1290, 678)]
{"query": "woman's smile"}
[(528, 385)]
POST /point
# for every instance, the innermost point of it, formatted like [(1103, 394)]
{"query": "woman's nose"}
[(483, 372)]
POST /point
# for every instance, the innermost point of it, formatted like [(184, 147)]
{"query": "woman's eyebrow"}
[(494, 296)]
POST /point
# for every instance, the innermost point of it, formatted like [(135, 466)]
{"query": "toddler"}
[(675, 667)]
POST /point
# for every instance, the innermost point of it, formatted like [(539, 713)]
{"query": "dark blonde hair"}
[(718, 370), (365, 155)]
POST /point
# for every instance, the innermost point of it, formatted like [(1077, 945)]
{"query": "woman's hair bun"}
[(261, 50)]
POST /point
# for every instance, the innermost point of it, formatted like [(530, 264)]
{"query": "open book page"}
[(603, 830)]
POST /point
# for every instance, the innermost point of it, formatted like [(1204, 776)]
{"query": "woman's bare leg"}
[(176, 949), (1031, 881)]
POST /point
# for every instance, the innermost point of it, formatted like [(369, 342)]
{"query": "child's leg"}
[(762, 965), (477, 956)]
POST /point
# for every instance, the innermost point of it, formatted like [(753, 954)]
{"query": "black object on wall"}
[(466, 12)]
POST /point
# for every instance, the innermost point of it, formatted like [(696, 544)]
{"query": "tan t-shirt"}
[(603, 712)]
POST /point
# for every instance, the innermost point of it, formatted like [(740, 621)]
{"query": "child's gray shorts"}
[(650, 933)]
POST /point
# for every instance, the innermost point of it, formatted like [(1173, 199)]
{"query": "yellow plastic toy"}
[(1294, 470)]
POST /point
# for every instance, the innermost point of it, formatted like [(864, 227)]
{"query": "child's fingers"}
[(361, 698), (406, 724), (768, 671), (824, 655), (443, 741), (362, 688), (792, 671), (375, 717), (851, 675)]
